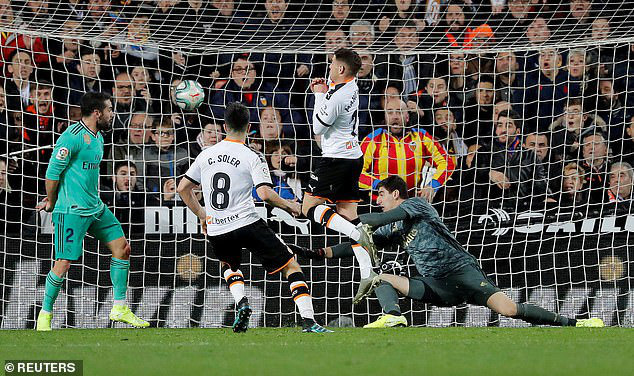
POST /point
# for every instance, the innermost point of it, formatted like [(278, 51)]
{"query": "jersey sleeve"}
[(327, 109), (418, 208), (193, 174), (260, 171), (65, 149)]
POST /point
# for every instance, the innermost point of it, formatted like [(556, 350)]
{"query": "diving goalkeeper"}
[(449, 275), (72, 179)]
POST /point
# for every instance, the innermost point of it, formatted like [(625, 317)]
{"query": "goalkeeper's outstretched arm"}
[(381, 219)]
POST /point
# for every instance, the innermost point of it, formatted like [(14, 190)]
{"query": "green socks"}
[(119, 276), (388, 298), (539, 316), (51, 290)]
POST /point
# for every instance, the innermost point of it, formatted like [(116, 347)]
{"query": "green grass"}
[(390, 352)]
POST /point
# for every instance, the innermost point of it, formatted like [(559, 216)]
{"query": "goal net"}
[(518, 113)]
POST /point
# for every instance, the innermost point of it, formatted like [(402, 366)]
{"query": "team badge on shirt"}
[(87, 139), (62, 154), (263, 101), (412, 146)]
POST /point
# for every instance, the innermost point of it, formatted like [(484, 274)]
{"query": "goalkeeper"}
[(449, 275), (72, 179)]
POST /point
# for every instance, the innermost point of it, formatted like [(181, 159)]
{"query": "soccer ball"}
[(189, 95)]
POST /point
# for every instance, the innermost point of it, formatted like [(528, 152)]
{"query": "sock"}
[(363, 258), (235, 280), (301, 295), (325, 216), (51, 290), (318, 254), (342, 250), (539, 316), (388, 298), (119, 276)]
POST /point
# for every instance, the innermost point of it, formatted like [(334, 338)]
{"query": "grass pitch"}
[(392, 352)]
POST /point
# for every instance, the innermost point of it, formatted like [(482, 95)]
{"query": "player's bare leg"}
[(314, 209), (119, 270), (301, 295), (386, 287)]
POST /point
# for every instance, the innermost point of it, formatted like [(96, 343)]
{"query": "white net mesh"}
[(483, 85)]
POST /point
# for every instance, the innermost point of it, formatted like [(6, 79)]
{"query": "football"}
[(189, 95)]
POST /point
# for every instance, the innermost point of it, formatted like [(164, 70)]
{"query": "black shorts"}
[(257, 238), (468, 284), (336, 180)]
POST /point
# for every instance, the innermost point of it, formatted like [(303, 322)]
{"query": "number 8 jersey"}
[(227, 173)]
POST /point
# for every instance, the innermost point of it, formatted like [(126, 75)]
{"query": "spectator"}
[(538, 143), (546, 90), (126, 198), (458, 30), (577, 21), (512, 22), (133, 144), (572, 193), (619, 189), (461, 86), (499, 107), (369, 94), (340, 14), (275, 154), (478, 123), (40, 124), (510, 82), (625, 145), (570, 127), (18, 88), (10, 204), (609, 105), (88, 80), (143, 87), (576, 68), (434, 96), (361, 34), (395, 149), (165, 162), (211, 134), (446, 132), (125, 103), (595, 164), (505, 170), (404, 12), (538, 32), (245, 86), (406, 66), (271, 129), (224, 20)]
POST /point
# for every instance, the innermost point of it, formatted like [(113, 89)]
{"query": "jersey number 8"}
[(219, 197)]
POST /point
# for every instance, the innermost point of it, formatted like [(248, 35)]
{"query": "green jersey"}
[(75, 163)]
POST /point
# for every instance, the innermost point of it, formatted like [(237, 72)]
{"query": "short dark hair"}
[(120, 164), (93, 101), (237, 117), (350, 58), (486, 78), (394, 183), (511, 114)]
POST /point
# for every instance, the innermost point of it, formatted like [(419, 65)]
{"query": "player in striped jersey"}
[(399, 151), (336, 178)]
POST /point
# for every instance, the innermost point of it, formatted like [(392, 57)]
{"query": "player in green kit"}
[(72, 179), (448, 274)]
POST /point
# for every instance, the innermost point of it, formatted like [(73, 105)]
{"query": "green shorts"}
[(468, 284), (70, 230)]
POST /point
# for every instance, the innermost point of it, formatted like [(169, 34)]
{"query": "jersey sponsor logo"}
[(352, 144), (90, 166), (409, 238), (62, 154), (221, 221), (87, 139)]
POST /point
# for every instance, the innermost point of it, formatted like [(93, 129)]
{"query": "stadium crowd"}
[(536, 127)]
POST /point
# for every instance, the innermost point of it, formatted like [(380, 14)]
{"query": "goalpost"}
[(555, 231)]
